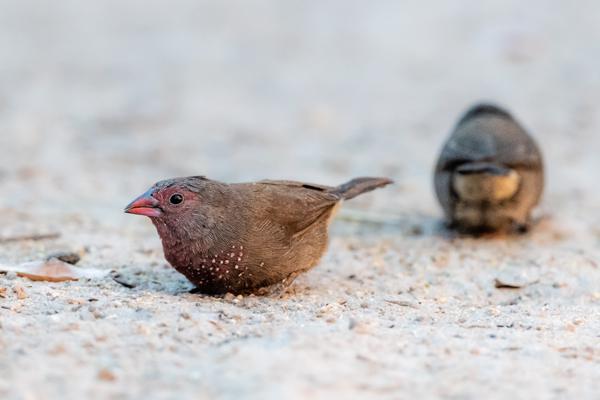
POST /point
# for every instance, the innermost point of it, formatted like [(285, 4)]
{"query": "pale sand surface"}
[(98, 101)]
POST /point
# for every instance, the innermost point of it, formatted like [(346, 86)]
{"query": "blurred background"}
[(98, 100)]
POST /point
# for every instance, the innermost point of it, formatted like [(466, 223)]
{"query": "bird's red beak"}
[(146, 205)]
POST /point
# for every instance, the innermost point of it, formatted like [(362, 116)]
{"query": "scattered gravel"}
[(98, 100)]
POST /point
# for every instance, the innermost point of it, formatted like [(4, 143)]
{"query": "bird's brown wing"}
[(295, 185), (488, 137), (293, 206)]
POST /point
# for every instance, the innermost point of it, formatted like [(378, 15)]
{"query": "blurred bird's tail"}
[(359, 186)]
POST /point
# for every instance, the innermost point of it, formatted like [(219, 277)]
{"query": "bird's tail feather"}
[(359, 186)]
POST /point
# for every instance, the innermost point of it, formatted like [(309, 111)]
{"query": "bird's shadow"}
[(426, 226), (166, 280), (407, 225)]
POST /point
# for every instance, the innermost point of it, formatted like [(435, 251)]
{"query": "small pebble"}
[(20, 292), (106, 375)]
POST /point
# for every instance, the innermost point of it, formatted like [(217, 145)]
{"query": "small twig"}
[(402, 303), (34, 237)]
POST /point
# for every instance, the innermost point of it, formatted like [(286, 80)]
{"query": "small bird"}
[(242, 237), (490, 173)]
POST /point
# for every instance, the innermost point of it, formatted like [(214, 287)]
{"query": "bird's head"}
[(182, 208), (165, 200)]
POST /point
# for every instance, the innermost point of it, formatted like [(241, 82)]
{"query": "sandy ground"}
[(98, 101)]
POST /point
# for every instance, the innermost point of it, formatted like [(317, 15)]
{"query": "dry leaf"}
[(20, 292), (53, 270), (3, 292)]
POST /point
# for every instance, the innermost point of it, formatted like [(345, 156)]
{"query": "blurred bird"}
[(242, 237), (490, 173)]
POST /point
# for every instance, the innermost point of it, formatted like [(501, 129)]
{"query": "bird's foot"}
[(279, 289)]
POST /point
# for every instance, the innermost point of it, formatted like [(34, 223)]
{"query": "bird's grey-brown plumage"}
[(490, 174), (241, 237)]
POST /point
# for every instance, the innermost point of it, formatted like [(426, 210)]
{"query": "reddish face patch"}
[(145, 205)]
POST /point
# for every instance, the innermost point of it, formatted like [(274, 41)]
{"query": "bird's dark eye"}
[(176, 199)]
